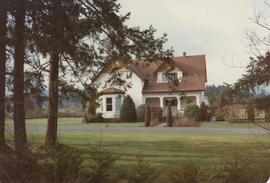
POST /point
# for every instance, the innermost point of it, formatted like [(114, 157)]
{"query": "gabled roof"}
[(112, 91), (169, 61), (194, 79)]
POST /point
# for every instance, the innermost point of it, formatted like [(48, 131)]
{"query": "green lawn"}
[(77, 122), (166, 150), (233, 125), (70, 123)]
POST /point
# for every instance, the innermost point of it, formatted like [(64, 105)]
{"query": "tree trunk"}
[(51, 136), (19, 121), (3, 34)]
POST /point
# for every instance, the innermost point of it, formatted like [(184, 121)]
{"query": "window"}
[(118, 104), (173, 102), (109, 104), (166, 77)]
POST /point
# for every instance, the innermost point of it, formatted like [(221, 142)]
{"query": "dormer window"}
[(164, 77)]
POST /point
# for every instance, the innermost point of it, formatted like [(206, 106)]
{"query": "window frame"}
[(109, 104)]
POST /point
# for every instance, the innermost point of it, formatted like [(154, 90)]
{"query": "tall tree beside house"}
[(3, 39), (56, 33), (19, 121), (128, 110), (109, 39)]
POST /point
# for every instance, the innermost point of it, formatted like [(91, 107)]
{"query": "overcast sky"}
[(216, 28)]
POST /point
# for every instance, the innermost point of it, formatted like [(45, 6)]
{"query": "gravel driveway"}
[(184, 130)]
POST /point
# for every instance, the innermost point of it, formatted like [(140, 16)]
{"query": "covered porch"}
[(178, 102)]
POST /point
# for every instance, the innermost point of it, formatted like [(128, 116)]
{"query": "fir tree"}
[(128, 111), (3, 38), (147, 116), (169, 119)]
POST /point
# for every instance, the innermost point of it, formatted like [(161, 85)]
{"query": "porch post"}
[(144, 100), (197, 101), (178, 103), (113, 104), (161, 101), (104, 104)]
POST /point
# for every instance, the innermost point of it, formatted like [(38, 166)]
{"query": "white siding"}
[(135, 91)]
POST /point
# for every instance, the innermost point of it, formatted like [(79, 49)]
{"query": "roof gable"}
[(193, 67)]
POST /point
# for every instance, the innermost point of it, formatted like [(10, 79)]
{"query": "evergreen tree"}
[(147, 116), (128, 111), (169, 116), (3, 38), (203, 112), (19, 120), (60, 29)]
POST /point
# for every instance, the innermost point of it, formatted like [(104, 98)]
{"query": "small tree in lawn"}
[(169, 116), (147, 116), (203, 112), (128, 111), (250, 112)]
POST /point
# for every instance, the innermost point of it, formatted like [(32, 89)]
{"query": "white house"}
[(153, 85)]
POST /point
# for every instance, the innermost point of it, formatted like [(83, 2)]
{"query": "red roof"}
[(194, 78), (194, 68), (112, 91)]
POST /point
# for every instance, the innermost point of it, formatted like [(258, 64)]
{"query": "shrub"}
[(203, 112), (63, 164), (90, 118), (143, 172), (147, 117), (192, 112), (189, 172), (156, 114), (169, 119), (219, 115), (267, 116), (102, 161), (209, 114), (141, 112), (250, 112), (128, 112)]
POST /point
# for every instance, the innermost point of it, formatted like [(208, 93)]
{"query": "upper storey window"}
[(164, 77), (169, 77)]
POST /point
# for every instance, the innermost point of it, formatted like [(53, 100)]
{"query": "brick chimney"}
[(184, 54)]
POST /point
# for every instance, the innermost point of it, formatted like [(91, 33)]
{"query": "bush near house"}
[(141, 112), (219, 115), (192, 112), (128, 111), (90, 118), (267, 116), (169, 119), (156, 114), (147, 117), (203, 112)]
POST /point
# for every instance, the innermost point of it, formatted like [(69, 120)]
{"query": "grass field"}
[(77, 122), (165, 150), (71, 122)]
